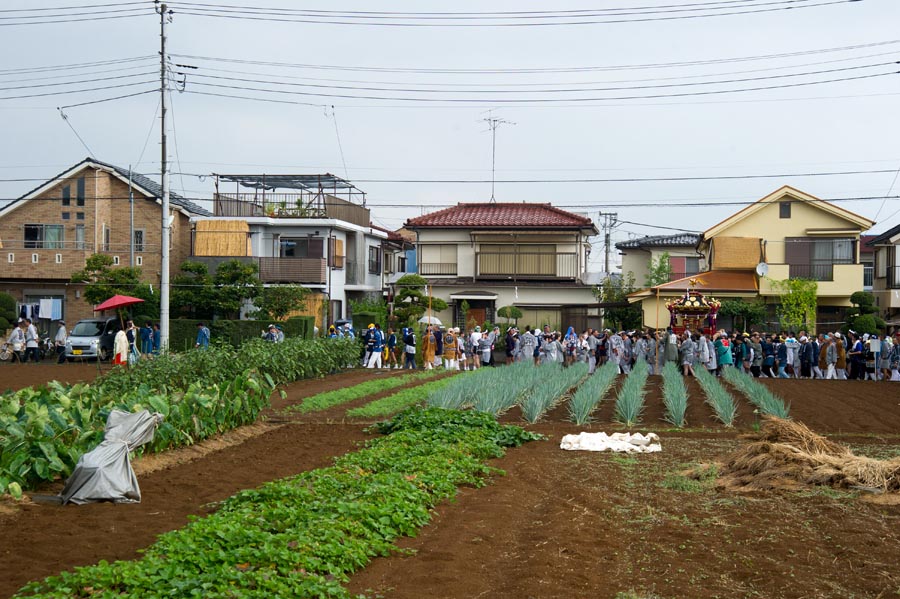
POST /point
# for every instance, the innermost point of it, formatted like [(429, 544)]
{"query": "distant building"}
[(310, 230), (48, 233), (886, 280), (489, 255), (684, 259)]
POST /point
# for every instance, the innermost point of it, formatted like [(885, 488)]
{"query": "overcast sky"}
[(839, 126)]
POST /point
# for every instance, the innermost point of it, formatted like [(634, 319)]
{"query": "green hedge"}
[(183, 331)]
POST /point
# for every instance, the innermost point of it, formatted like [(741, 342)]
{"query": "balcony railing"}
[(868, 277), (308, 271), (437, 268), (526, 265), (289, 205), (292, 270), (893, 277), (816, 272), (20, 244)]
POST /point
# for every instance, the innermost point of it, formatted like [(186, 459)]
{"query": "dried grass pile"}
[(786, 454)]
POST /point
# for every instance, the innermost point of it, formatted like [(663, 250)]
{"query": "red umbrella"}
[(118, 301)]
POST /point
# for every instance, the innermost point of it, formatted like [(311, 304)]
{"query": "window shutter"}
[(316, 247), (797, 250)]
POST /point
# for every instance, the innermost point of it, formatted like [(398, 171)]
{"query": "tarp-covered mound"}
[(786, 454), (618, 442), (105, 474)]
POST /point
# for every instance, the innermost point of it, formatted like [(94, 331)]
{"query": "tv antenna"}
[(494, 122)]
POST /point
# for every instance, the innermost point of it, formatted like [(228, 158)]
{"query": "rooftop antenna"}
[(494, 122)]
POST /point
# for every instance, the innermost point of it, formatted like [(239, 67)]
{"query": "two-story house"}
[(310, 230), (48, 233), (683, 258), (489, 255), (786, 234), (886, 281)]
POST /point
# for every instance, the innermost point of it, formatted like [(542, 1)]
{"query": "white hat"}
[(838, 335), (803, 338)]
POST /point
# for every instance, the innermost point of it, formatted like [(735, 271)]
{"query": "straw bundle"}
[(786, 454), (222, 238)]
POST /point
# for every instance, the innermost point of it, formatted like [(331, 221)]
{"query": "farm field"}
[(558, 524)]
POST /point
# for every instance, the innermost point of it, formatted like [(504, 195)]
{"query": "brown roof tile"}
[(501, 215)]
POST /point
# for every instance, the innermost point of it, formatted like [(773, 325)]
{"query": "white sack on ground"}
[(105, 474), (618, 442)]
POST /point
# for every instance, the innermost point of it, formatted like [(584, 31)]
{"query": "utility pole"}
[(493, 123), (131, 208), (164, 16), (610, 219)]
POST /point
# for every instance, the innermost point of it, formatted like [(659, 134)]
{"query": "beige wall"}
[(848, 278), (766, 224)]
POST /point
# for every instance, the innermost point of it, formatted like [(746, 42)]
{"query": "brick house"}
[(489, 255), (48, 233)]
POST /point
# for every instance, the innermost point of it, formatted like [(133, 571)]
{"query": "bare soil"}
[(15, 376), (559, 524)]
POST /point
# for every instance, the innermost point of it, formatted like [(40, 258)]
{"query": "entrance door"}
[(476, 315)]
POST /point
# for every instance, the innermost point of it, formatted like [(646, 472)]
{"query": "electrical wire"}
[(47, 8), (79, 91), (547, 91), (639, 66), (511, 101), (80, 65), (78, 82), (69, 75), (100, 101), (80, 20), (272, 15)]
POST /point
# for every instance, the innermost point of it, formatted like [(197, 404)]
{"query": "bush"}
[(183, 331)]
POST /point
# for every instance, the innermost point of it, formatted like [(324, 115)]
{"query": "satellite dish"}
[(762, 269)]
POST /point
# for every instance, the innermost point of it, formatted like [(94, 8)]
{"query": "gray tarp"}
[(105, 474)]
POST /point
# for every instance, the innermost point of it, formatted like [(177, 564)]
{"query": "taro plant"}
[(553, 384), (674, 395), (759, 395), (591, 392), (718, 398), (630, 401)]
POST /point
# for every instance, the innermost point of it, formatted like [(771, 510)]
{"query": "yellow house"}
[(786, 234)]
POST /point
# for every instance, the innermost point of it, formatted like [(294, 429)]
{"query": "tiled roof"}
[(501, 216), (679, 240), (711, 280), (884, 237), (141, 181)]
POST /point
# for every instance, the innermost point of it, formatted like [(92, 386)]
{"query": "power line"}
[(51, 22), (101, 100), (79, 65), (511, 101), (48, 8), (79, 82), (569, 69), (546, 91), (79, 91), (270, 15), (586, 180)]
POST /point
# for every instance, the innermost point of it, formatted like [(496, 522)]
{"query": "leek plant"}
[(759, 395), (717, 397), (630, 402), (591, 392), (674, 394), (553, 384)]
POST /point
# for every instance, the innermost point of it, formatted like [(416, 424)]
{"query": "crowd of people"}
[(763, 355)]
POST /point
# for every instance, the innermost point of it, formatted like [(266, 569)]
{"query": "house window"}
[(35, 258), (79, 192), (374, 260), (881, 263), (44, 236), (815, 258), (115, 260), (139, 240), (106, 236), (10, 257), (784, 209), (66, 196), (438, 259), (301, 247), (59, 258), (138, 260), (683, 266), (401, 263), (79, 216), (79, 237), (67, 216)]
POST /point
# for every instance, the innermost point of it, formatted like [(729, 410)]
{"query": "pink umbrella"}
[(118, 301)]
